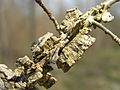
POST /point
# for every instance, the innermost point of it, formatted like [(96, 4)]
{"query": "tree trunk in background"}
[(31, 20), (3, 31), (0, 26)]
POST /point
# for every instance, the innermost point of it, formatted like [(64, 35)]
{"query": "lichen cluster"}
[(49, 49)]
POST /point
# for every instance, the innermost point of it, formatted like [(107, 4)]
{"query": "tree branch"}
[(107, 31), (109, 3), (52, 18), (64, 51)]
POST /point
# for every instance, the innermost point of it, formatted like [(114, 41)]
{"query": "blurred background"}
[(23, 22)]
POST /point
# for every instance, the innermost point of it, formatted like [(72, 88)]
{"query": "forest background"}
[(23, 22)]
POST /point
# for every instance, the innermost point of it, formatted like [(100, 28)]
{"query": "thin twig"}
[(52, 18), (109, 3), (107, 31)]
